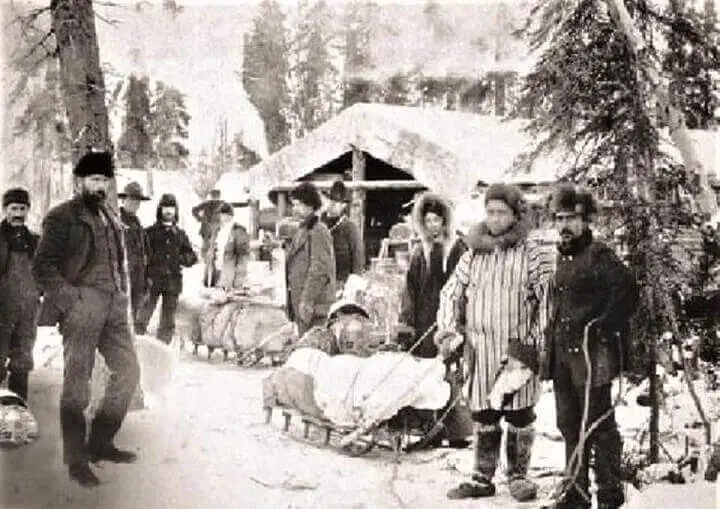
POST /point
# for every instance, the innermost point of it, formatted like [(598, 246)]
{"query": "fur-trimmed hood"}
[(419, 224)]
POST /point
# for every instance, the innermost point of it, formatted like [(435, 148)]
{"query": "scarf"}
[(480, 240)]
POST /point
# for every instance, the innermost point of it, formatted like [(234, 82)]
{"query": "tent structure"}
[(447, 151)]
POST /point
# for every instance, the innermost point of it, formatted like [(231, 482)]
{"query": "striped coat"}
[(503, 297)]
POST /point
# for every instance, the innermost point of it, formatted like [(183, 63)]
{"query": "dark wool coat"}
[(591, 282), (421, 296), (349, 252), (135, 246), (169, 251), (31, 238), (64, 251), (310, 270)]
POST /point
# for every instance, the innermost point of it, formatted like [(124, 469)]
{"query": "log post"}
[(282, 204), (357, 205), (254, 219)]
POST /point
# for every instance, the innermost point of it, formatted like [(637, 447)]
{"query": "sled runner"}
[(364, 401)]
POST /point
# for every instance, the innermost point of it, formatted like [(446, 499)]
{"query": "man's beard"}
[(169, 218), (16, 221), (93, 199)]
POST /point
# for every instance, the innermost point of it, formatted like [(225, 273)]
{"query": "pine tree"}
[(168, 129), (265, 70), (591, 96), (315, 84), (357, 32), (134, 145)]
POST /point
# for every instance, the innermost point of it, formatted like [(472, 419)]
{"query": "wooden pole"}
[(282, 204), (357, 205)]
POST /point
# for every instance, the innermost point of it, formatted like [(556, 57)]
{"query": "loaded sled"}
[(250, 327), (389, 400)]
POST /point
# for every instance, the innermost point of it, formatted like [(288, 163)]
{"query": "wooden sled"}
[(396, 436)]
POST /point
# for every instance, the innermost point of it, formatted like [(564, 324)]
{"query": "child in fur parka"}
[(431, 264)]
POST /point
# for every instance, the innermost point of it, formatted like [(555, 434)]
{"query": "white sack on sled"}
[(306, 360), (352, 389)]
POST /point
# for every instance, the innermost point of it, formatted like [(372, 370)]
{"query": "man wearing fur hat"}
[(593, 298), (488, 294), (18, 292), (310, 262), (79, 267), (348, 248), (135, 244), (169, 251), (431, 264)]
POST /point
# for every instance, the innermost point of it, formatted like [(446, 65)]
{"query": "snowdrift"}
[(350, 391)]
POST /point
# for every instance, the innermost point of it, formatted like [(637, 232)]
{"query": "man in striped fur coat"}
[(489, 291)]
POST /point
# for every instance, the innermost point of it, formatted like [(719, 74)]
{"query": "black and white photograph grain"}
[(360, 254)]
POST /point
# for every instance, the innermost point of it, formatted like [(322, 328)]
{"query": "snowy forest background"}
[(204, 89)]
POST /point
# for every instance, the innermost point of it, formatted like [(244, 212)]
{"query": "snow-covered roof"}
[(164, 182), (234, 186), (447, 151)]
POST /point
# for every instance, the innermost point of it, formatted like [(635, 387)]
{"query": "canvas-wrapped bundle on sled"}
[(356, 394), (240, 323)]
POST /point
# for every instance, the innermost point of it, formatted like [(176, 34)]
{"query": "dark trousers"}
[(604, 442), (97, 321), (519, 418), (137, 296), (18, 330), (166, 328)]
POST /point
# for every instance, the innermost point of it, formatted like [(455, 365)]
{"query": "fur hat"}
[(338, 192), (509, 194), (307, 194), (435, 203), (95, 163), (168, 200), (16, 195), (569, 200)]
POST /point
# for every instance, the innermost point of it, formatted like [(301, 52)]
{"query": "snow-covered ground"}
[(203, 443)]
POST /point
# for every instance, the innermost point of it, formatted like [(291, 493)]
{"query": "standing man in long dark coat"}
[(349, 252), (594, 294), (135, 244), (19, 295), (79, 267), (170, 251), (310, 263), (431, 264)]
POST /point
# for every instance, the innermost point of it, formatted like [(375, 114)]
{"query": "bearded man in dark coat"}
[(79, 267), (19, 295), (347, 245), (593, 298)]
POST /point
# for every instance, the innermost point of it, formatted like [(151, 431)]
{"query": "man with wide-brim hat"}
[(135, 243), (349, 252), (79, 265)]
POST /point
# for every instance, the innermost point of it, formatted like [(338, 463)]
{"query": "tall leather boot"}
[(519, 450), (100, 444), (18, 383), (487, 451), (607, 445), (572, 497)]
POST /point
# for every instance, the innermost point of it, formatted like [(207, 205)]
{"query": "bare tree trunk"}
[(81, 78), (670, 113)]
